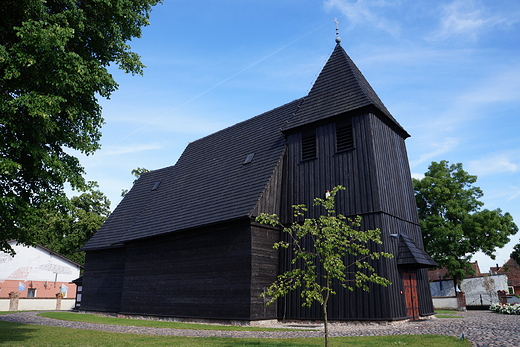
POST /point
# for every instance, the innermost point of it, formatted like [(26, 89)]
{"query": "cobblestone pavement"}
[(482, 328)]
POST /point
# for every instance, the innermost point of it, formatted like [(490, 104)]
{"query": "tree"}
[(453, 223), (334, 237), (54, 58), (137, 173), (66, 233), (516, 253)]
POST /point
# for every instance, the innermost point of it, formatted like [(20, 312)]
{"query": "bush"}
[(506, 308)]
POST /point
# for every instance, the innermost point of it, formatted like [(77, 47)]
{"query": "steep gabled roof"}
[(340, 88), (209, 183)]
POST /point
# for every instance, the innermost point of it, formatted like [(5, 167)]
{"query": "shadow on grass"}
[(16, 332)]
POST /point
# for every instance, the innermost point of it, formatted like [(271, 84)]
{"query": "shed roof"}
[(411, 254)]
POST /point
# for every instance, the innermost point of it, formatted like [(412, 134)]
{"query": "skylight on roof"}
[(249, 158), (156, 185)]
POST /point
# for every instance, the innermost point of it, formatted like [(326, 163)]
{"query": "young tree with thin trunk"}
[(335, 239)]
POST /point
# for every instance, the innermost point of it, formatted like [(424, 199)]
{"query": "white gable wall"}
[(36, 267)]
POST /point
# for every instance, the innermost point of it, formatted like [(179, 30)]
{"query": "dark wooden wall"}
[(378, 185), (216, 272), (198, 273), (264, 268), (103, 280)]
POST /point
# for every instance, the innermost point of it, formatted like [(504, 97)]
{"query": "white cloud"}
[(500, 163), (118, 150), (465, 19), (418, 176), (366, 11), (438, 148)]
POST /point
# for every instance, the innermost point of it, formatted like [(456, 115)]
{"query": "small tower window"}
[(309, 145), (344, 135)]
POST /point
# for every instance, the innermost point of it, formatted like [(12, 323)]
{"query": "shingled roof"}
[(341, 88), (411, 254), (209, 184)]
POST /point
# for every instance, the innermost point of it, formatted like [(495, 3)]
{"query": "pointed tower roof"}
[(341, 88)]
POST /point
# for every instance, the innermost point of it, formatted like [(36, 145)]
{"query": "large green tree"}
[(453, 222), (339, 253), (67, 232), (54, 59), (516, 253)]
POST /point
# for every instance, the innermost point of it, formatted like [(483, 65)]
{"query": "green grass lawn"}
[(92, 318), (447, 314), (13, 334)]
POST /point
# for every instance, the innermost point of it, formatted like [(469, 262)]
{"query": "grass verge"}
[(17, 335), (92, 318), (447, 314)]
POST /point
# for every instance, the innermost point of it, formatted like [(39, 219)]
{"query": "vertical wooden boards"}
[(203, 273), (410, 292), (103, 280), (378, 186), (264, 269)]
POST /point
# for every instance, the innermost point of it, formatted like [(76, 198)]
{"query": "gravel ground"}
[(482, 328)]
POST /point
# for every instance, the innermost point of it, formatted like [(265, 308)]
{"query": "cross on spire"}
[(338, 39)]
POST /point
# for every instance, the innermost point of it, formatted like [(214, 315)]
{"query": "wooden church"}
[(184, 241)]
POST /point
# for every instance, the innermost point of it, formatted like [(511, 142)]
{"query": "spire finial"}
[(338, 39)]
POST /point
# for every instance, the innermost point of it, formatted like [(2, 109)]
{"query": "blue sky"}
[(448, 71)]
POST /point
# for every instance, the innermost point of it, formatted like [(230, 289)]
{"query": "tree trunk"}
[(325, 319), (325, 322)]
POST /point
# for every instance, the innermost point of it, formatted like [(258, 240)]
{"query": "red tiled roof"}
[(512, 270)]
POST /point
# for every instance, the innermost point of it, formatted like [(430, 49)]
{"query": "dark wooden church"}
[(184, 241)]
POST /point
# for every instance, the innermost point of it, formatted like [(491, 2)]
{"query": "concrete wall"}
[(38, 304), (513, 300), (479, 291), (448, 303), (483, 290)]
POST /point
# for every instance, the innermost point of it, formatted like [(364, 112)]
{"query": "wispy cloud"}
[(493, 164), (367, 11), (501, 86), (514, 193), (465, 20), (438, 148), (118, 150)]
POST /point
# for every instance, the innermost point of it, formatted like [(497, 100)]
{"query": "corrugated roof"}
[(340, 88)]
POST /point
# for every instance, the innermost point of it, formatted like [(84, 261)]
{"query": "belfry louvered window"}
[(344, 135), (309, 145)]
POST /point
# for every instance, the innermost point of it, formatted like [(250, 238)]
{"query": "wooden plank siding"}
[(264, 269), (214, 273), (103, 280), (378, 186), (202, 273)]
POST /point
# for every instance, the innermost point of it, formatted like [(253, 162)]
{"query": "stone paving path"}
[(482, 328)]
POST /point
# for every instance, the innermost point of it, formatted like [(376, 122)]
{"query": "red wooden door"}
[(410, 292)]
